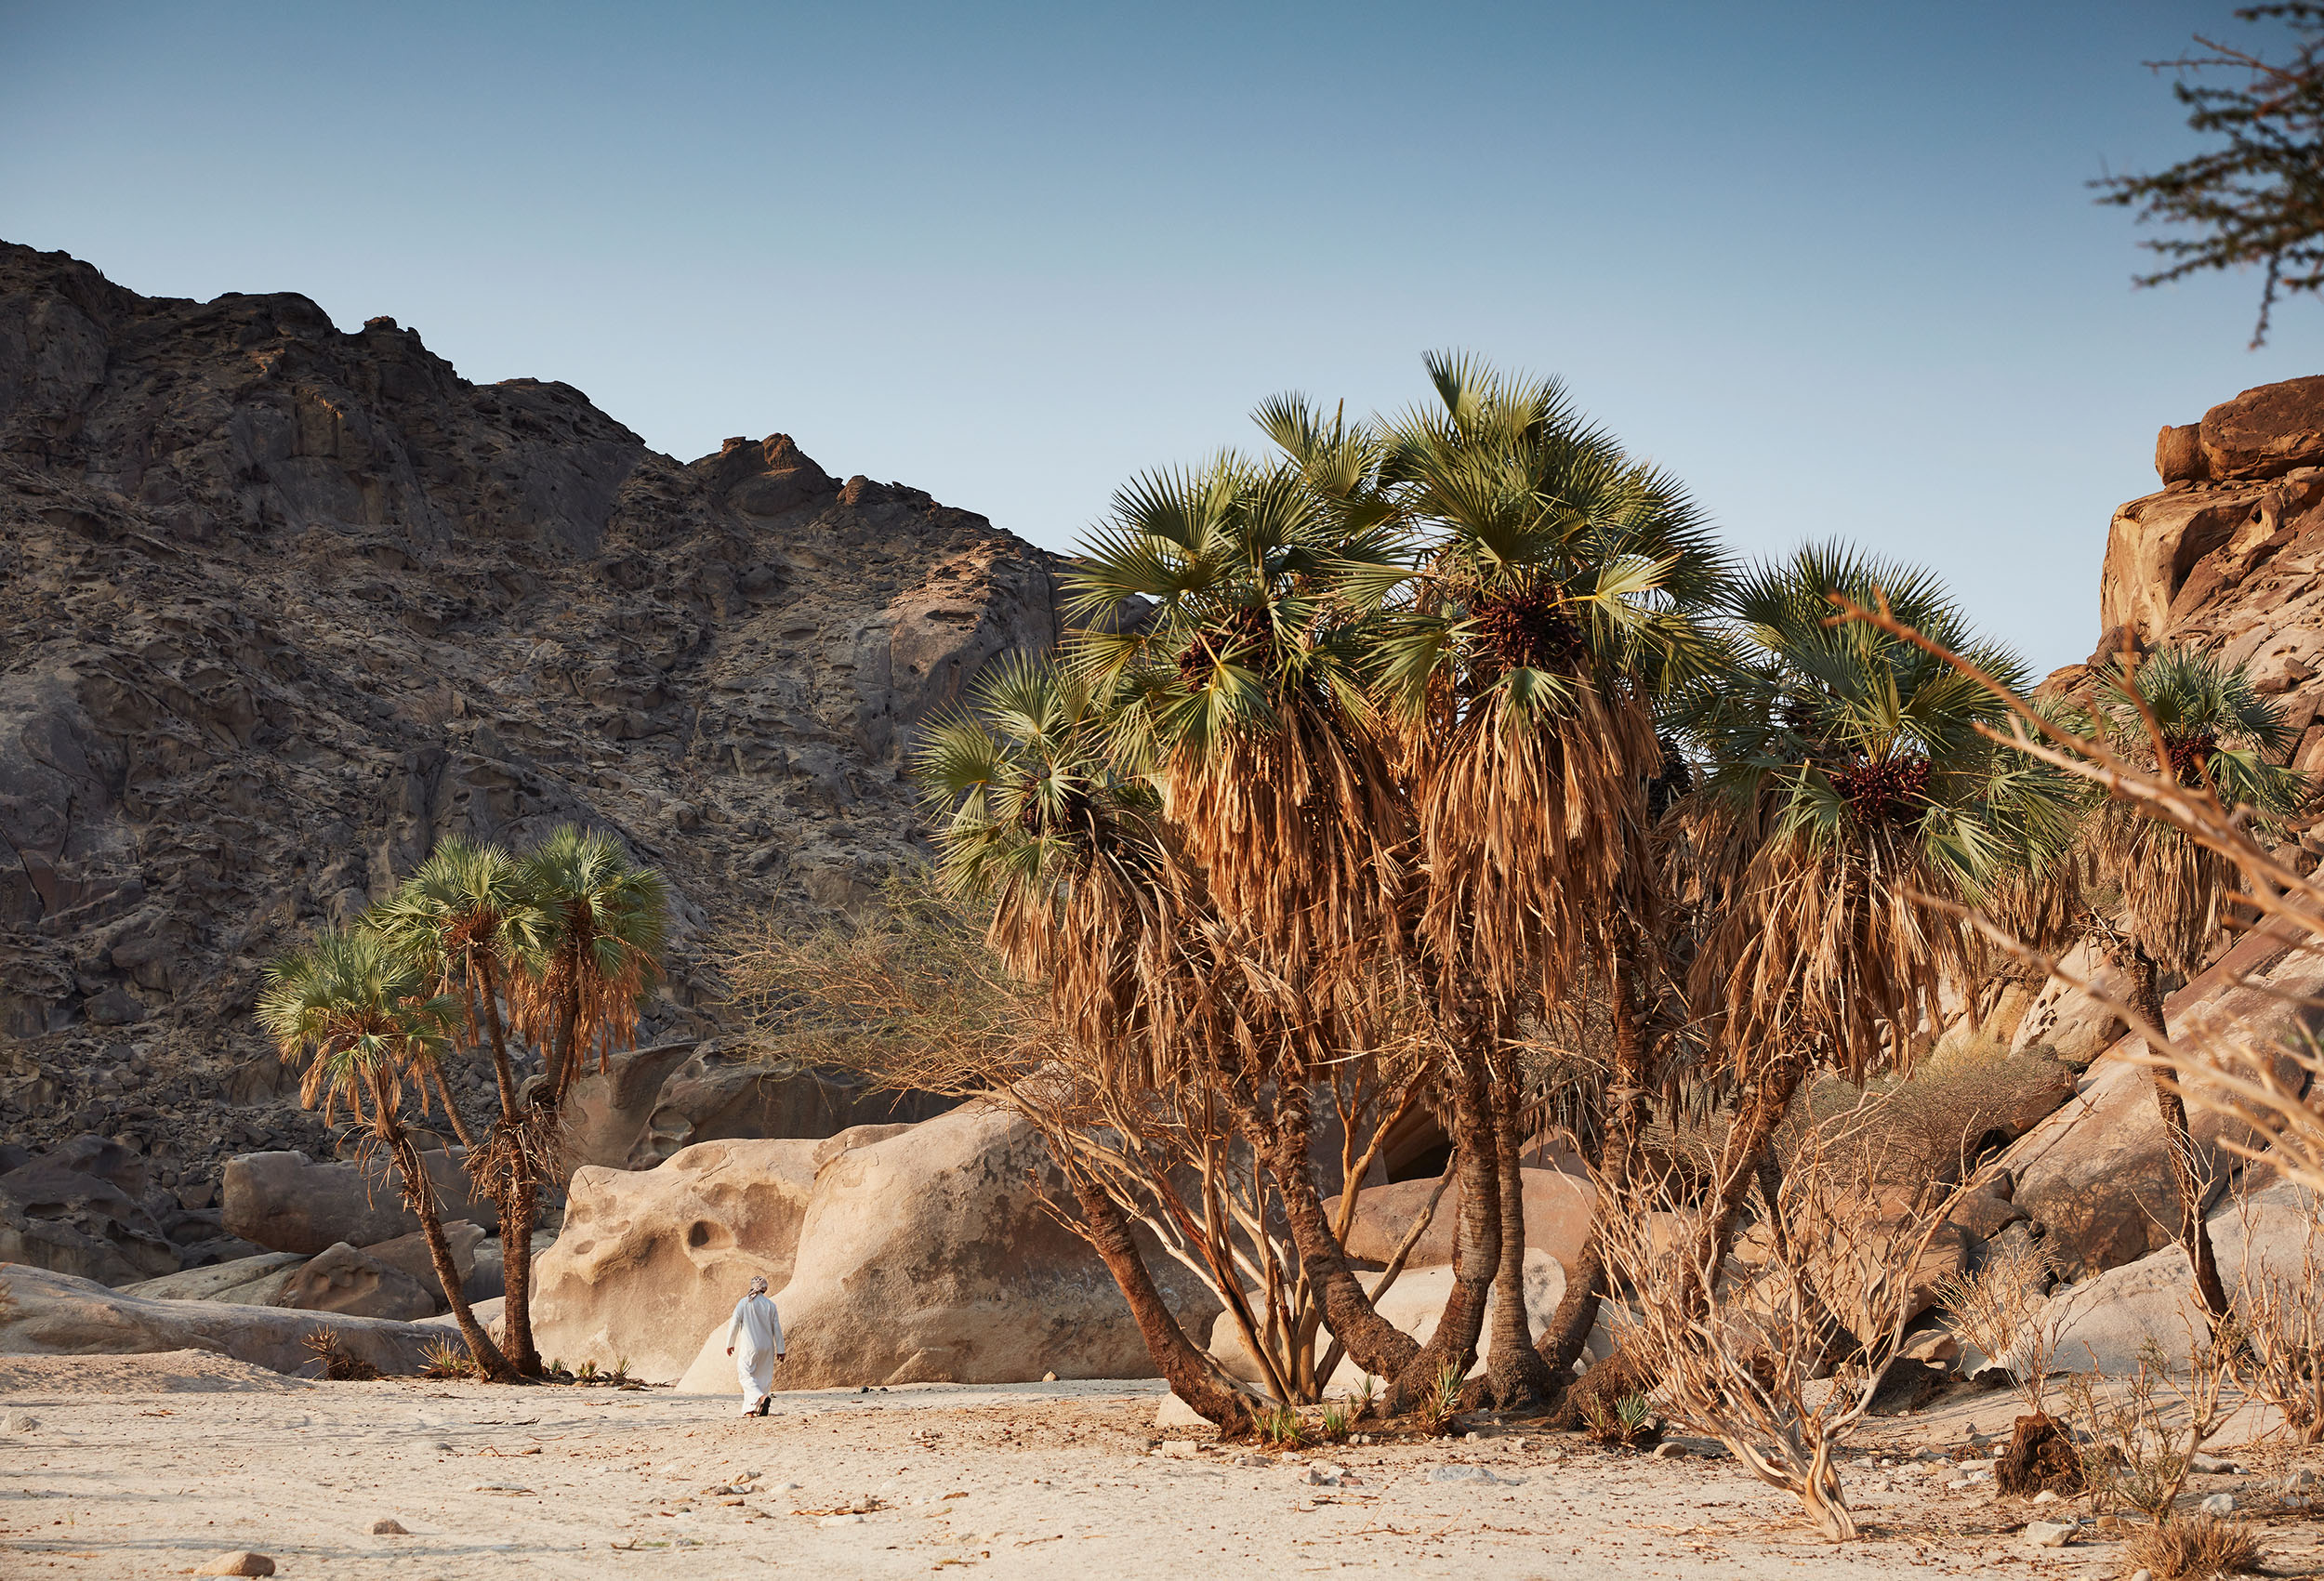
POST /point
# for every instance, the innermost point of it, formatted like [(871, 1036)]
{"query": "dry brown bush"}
[(2279, 1319), (1740, 1358), (2198, 1549)]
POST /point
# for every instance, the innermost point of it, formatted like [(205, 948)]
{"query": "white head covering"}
[(758, 1285)]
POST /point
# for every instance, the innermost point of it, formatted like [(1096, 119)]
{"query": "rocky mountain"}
[(285, 606)]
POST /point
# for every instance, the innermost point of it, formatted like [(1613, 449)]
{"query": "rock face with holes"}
[(287, 605), (650, 1259)]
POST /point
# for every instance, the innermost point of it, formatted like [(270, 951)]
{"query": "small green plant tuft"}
[(442, 1359), (1281, 1428), (1365, 1396), (1333, 1428), (340, 1365), (1627, 1425), (1442, 1400)]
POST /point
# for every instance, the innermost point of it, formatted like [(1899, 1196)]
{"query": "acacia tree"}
[(365, 1020), (2259, 199), (1550, 592), (464, 922), (2184, 712), (1849, 785)]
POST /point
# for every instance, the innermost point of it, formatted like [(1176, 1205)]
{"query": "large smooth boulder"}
[(54, 1314), (343, 1279), (409, 1256), (648, 1259), (252, 1282), (934, 1257), (2103, 1322), (1558, 1209), (2097, 1173), (61, 1212), (286, 1202), (649, 1104), (2266, 431)]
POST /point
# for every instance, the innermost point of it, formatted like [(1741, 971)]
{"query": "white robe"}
[(755, 1334)]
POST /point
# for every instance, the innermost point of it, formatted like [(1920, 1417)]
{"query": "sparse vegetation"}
[(441, 1359), (1629, 1423), (340, 1365)]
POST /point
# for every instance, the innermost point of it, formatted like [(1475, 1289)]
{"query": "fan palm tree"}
[(1552, 590), (1242, 695), (1848, 781), (2200, 716), (593, 945), (464, 922), (1032, 817), (365, 1023)]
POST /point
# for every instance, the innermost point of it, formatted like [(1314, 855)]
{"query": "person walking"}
[(754, 1337)]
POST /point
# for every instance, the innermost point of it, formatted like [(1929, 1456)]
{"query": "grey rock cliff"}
[(282, 607)]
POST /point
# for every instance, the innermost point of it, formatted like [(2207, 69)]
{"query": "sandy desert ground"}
[(120, 1467)]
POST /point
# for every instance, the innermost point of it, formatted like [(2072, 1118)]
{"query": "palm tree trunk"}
[(419, 1190), (1515, 1372), (1568, 1333), (517, 1191), (1766, 1097), (1476, 1248), (1189, 1373), (519, 1207), (2194, 1233), (451, 1109), (1378, 1345)]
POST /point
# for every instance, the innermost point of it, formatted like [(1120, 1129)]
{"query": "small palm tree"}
[(592, 951), (2187, 709), (464, 923), (1848, 779), (368, 1027)]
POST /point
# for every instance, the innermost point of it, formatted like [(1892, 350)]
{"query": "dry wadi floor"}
[(149, 1466)]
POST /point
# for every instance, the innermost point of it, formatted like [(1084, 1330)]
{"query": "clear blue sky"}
[(1835, 265)]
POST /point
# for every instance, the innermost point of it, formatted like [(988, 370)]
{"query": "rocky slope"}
[(286, 606)]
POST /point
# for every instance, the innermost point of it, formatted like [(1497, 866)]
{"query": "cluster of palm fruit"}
[(1242, 634), (2189, 754), (1883, 791), (1532, 628)]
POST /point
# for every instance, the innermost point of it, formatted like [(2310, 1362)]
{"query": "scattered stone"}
[(1670, 1451), (849, 1519), (2219, 1506), (240, 1563), (389, 1527), (2047, 1495), (2049, 1534), (2142, 1574), (1325, 1475), (2211, 1465), (1470, 1474), (20, 1421), (1048, 1378)]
